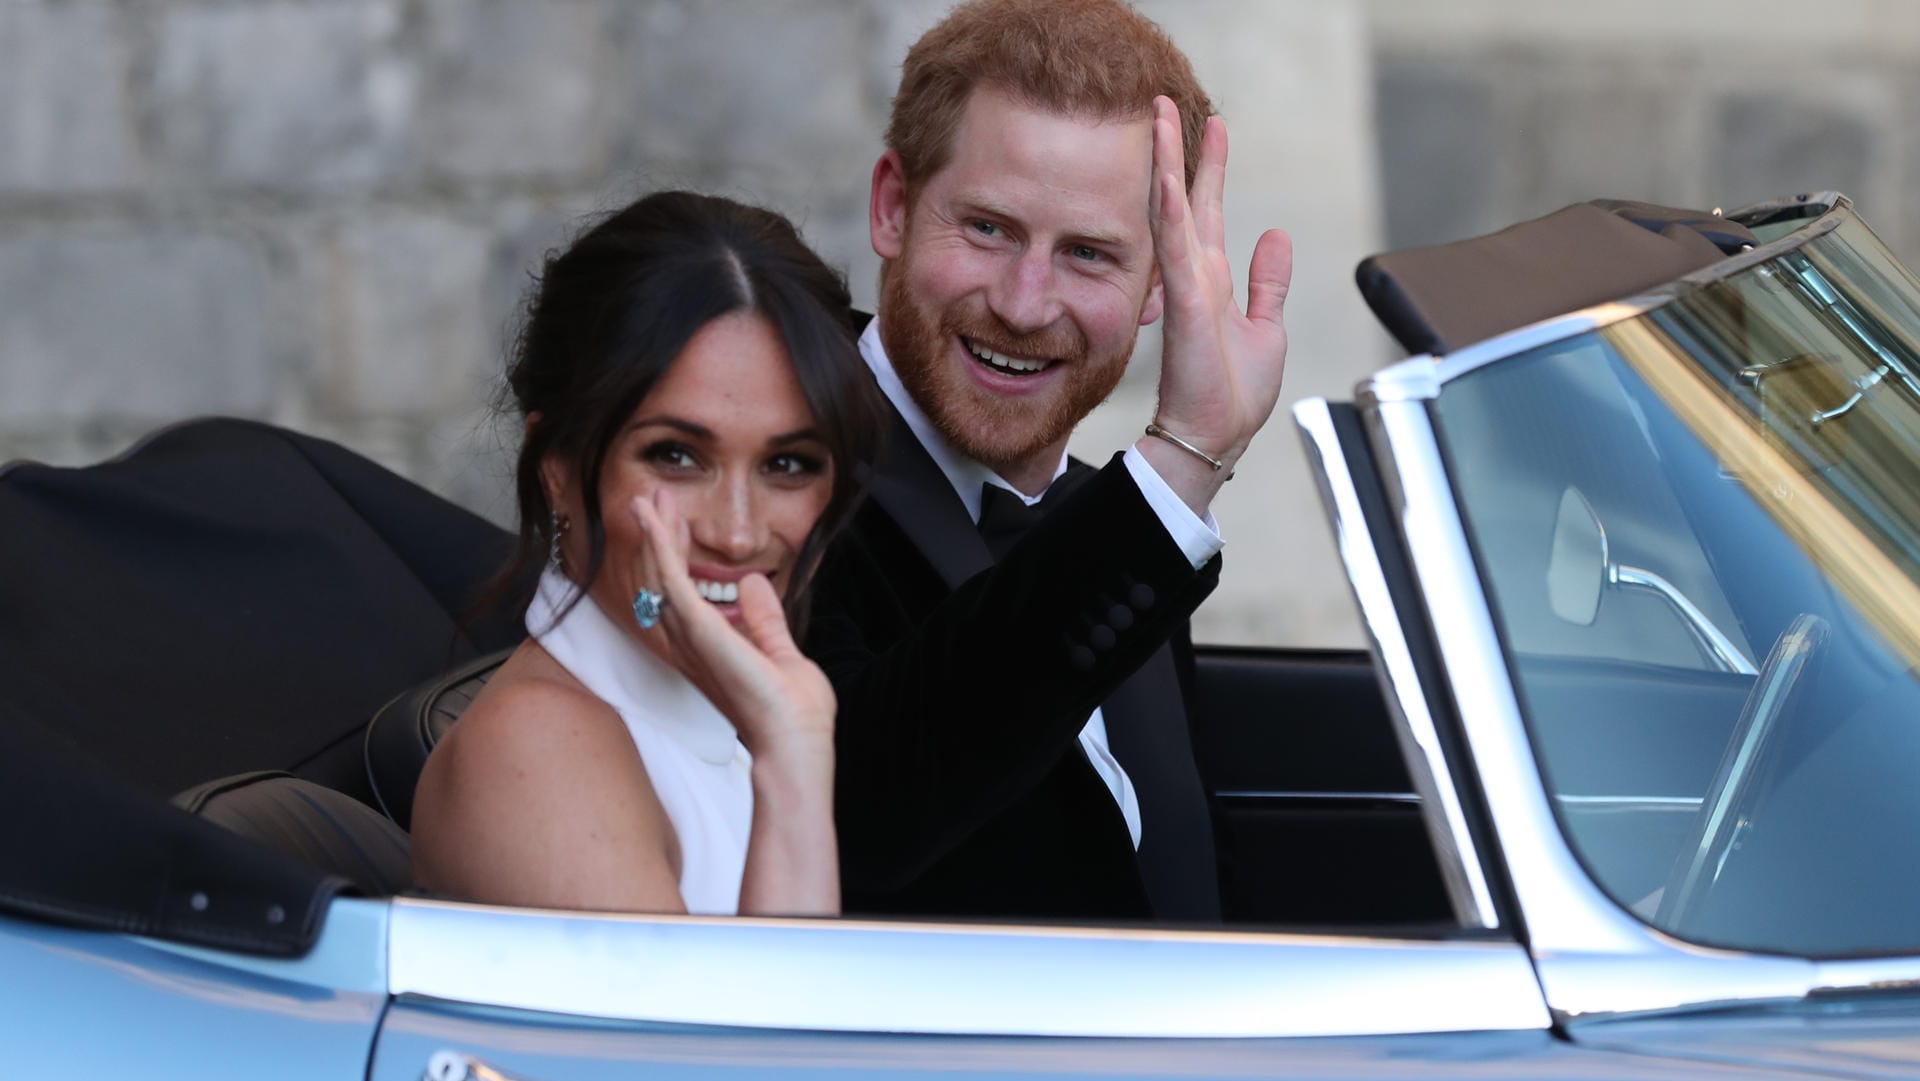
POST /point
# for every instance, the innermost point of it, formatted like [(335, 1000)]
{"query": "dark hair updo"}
[(610, 314)]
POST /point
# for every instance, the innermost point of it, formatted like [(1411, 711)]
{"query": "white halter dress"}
[(698, 767)]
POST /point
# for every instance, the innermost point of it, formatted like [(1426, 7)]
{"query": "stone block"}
[(405, 329), (516, 88), (1439, 136), (755, 84), (64, 121), (283, 95), (1768, 144), (129, 321), (1618, 125)]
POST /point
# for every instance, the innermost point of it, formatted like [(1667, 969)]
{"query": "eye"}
[(984, 228), (796, 466), (671, 455), (1085, 253)]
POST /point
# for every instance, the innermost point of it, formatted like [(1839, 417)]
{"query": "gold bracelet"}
[(1158, 432)]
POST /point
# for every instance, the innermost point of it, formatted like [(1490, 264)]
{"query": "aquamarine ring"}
[(647, 606)]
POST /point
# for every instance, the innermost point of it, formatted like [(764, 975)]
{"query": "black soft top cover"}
[(226, 597), (1435, 300)]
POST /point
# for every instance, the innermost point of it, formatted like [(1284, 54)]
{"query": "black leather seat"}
[(315, 825), (405, 730)]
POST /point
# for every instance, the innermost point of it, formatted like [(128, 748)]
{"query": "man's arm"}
[(1220, 368), (965, 711)]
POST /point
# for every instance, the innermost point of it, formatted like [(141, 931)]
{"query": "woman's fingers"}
[(763, 618)]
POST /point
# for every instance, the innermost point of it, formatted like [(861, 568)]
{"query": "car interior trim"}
[(1414, 726), (1594, 957), (853, 975)]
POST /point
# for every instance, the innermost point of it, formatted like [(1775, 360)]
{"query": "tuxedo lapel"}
[(908, 484)]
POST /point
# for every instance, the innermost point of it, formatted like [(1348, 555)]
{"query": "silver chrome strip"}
[(1656, 803), (855, 976), (1336, 797), (1711, 639), (1414, 728), (1594, 958), (1419, 378)]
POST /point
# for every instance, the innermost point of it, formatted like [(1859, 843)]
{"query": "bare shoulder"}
[(537, 783)]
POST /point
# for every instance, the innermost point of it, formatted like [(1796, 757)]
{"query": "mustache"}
[(1062, 341)]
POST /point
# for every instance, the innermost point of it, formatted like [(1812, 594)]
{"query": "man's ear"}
[(1156, 300), (887, 206)]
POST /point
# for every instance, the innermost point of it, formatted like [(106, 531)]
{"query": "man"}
[(1011, 736)]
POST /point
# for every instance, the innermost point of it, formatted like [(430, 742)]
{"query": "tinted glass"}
[(1731, 735)]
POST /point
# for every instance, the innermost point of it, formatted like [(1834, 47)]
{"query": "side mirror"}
[(1577, 568)]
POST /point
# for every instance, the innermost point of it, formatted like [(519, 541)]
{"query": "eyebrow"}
[(701, 431), (978, 205)]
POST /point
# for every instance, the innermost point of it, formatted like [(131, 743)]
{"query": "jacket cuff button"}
[(1100, 637), (1120, 617), (1141, 597), (1080, 658)]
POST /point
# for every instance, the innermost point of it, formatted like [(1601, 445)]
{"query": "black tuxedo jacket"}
[(961, 785)]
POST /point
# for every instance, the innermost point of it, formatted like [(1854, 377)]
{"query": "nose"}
[(1023, 296), (731, 523)]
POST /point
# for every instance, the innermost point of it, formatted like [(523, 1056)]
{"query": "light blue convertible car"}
[(1627, 785)]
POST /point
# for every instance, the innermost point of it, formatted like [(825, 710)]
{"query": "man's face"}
[(1019, 275)]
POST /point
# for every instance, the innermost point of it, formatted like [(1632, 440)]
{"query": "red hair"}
[(1099, 59)]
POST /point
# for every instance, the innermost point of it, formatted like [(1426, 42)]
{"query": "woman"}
[(694, 406)]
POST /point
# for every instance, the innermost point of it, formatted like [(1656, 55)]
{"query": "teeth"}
[(717, 592), (1003, 362)]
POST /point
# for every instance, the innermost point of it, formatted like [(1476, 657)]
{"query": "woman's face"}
[(729, 433)]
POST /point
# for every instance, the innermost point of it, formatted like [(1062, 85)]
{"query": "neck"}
[(1035, 472)]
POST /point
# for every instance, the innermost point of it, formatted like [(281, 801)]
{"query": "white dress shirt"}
[(1198, 538)]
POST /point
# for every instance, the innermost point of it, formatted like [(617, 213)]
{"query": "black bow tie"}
[(1005, 517)]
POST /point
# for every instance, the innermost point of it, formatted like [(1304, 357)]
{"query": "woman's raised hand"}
[(756, 675)]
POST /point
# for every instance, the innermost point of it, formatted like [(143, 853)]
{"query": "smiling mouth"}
[(1006, 363), (717, 592)]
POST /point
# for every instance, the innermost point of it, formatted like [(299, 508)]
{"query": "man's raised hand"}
[(1220, 366)]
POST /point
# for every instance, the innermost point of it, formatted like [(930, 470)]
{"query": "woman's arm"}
[(539, 798)]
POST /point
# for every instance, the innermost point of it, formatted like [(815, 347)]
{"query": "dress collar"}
[(965, 474), (621, 672)]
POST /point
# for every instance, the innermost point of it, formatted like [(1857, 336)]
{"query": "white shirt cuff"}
[(1198, 538)]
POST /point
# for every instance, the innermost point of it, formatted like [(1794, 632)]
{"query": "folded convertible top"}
[(227, 597), (1437, 299)]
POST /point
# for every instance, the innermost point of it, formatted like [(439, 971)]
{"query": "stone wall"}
[(324, 212)]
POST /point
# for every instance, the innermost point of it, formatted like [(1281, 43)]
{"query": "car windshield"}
[(1700, 533)]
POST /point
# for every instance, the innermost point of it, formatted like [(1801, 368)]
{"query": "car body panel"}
[(531, 1047), (84, 1004)]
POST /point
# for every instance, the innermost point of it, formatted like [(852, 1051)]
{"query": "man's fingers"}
[(1270, 276), (1210, 185)]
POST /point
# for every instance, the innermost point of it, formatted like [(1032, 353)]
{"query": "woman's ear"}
[(556, 479)]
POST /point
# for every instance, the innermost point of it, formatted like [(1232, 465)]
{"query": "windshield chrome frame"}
[(1595, 959)]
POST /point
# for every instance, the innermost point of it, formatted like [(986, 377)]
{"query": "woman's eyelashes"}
[(672, 456), (677, 458), (795, 465)]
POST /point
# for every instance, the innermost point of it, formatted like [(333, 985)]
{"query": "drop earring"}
[(557, 524)]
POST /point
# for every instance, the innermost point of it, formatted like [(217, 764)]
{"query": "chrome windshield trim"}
[(1594, 958), (1414, 728), (858, 976), (1420, 378)]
